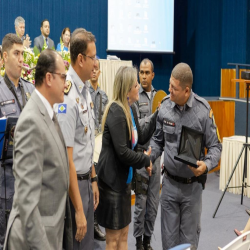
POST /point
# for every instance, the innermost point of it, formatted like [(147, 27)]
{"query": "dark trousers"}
[(10, 180)]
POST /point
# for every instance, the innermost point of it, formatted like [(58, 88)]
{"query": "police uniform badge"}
[(92, 105), (211, 116), (86, 129), (28, 95), (69, 85)]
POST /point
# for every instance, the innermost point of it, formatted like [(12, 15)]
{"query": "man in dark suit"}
[(43, 41), (40, 217)]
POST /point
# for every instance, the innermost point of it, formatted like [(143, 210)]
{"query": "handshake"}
[(149, 168)]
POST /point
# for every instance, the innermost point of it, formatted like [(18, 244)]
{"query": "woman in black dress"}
[(118, 157)]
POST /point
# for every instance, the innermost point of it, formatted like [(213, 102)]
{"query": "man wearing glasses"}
[(147, 189), (77, 121)]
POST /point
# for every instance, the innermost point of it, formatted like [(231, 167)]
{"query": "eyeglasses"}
[(63, 76), (91, 57)]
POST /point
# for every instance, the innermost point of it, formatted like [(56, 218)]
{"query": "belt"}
[(82, 177), (181, 179)]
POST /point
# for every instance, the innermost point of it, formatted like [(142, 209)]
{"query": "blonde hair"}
[(124, 80)]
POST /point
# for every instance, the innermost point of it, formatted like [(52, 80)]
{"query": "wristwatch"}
[(94, 179)]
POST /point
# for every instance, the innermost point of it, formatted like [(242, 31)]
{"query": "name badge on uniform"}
[(7, 102), (169, 123), (143, 104), (62, 108)]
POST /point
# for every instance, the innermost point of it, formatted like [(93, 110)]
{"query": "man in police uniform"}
[(147, 189), (100, 100), (76, 119), (14, 94), (99, 97), (181, 197)]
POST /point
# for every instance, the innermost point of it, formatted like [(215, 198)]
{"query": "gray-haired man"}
[(20, 30)]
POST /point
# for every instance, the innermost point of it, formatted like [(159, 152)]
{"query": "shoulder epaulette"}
[(69, 85), (165, 98), (203, 101), (26, 81)]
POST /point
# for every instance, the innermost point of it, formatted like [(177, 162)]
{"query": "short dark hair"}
[(79, 43), (46, 63), (145, 61), (9, 40), (44, 20), (183, 73), (64, 30)]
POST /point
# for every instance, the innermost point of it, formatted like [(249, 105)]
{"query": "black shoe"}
[(146, 243), (98, 234), (139, 245)]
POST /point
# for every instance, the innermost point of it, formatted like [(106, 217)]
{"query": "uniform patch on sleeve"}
[(211, 115), (69, 85), (62, 108)]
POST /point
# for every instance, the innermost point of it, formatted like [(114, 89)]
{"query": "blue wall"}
[(208, 34)]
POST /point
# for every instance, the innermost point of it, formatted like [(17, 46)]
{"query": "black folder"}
[(190, 147)]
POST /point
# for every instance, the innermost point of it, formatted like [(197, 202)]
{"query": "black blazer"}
[(117, 155)]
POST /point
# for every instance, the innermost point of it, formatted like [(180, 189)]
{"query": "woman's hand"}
[(148, 152)]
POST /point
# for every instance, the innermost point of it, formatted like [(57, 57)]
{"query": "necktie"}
[(57, 126)]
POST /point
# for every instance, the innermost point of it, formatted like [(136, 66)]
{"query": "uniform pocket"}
[(169, 136), (144, 110), (8, 110)]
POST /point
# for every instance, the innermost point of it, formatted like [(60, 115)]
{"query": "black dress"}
[(114, 209)]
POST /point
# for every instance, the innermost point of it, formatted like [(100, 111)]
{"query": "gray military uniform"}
[(181, 203), (100, 100), (147, 201), (76, 119), (9, 107)]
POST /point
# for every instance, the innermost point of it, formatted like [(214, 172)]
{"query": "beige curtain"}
[(107, 76), (231, 148)]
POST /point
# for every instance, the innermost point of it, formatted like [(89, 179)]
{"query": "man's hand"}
[(81, 225), (95, 194), (26, 41), (149, 169), (200, 170), (148, 152)]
